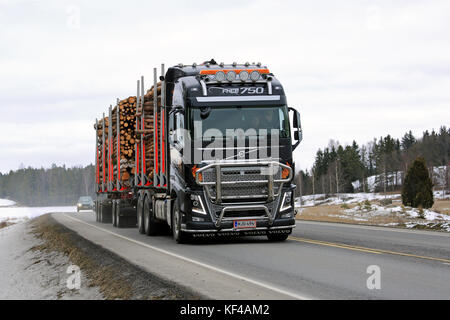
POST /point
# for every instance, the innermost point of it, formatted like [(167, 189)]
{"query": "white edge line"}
[(204, 265)]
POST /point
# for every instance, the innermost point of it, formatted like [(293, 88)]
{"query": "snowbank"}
[(17, 214), (348, 198), (6, 203)]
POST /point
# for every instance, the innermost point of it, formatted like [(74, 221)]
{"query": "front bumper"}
[(262, 227)]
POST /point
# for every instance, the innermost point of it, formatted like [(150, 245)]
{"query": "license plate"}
[(244, 224)]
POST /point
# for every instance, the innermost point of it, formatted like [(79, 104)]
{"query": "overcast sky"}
[(354, 69)]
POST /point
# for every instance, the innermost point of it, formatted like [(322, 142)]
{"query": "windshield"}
[(239, 117), (85, 200)]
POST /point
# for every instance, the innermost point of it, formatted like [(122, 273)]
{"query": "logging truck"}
[(206, 151)]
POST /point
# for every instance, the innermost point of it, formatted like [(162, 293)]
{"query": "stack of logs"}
[(127, 124), (128, 112), (147, 132)]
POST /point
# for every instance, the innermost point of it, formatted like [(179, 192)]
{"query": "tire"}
[(139, 215), (150, 226), (178, 235), (114, 219), (100, 213), (106, 213), (120, 221), (277, 237)]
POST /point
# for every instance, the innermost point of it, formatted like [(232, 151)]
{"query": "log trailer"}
[(221, 139)]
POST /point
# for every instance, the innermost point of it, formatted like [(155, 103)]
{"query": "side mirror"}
[(296, 123)]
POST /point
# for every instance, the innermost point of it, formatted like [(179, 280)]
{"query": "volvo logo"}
[(241, 154)]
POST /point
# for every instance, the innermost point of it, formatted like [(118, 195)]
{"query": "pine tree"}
[(418, 187)]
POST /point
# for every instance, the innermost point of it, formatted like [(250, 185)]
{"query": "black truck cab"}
[(230, 150)]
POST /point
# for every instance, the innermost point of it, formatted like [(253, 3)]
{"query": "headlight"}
[(243, 75), (231, 75), (254, 75), (287, 201), (197, 204), (220, 76)]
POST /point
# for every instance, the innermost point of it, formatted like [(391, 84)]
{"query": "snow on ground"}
[(348, 198), (364, 210), (439, 178), (34, 274), (6, 203), (18, 214)]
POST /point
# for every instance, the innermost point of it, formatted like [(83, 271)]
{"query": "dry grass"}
[(5, 224), (441, 206)]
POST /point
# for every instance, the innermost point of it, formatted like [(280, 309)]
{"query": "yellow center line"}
[(364, 249)]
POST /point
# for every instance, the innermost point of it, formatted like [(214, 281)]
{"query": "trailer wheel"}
[(120, 221), (150, 227), (277, 237), (106, 213), (139, 215), (96, 210), (114, 218), (100, 212), (178, 235)]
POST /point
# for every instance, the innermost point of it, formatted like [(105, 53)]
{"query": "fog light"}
[(287, 215)]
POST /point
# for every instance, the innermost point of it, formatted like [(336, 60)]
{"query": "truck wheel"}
[(150, 226), (277, 237), (100, 212), (120, 221), (114, 219), (178, 235), (139, 215), (106, 213)]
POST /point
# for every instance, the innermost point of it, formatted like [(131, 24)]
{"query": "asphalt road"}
[(318, 261)]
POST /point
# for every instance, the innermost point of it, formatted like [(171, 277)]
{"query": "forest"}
[(57, 185), (385, 159)]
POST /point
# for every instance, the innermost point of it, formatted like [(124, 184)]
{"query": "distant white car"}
[(85, 203)]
